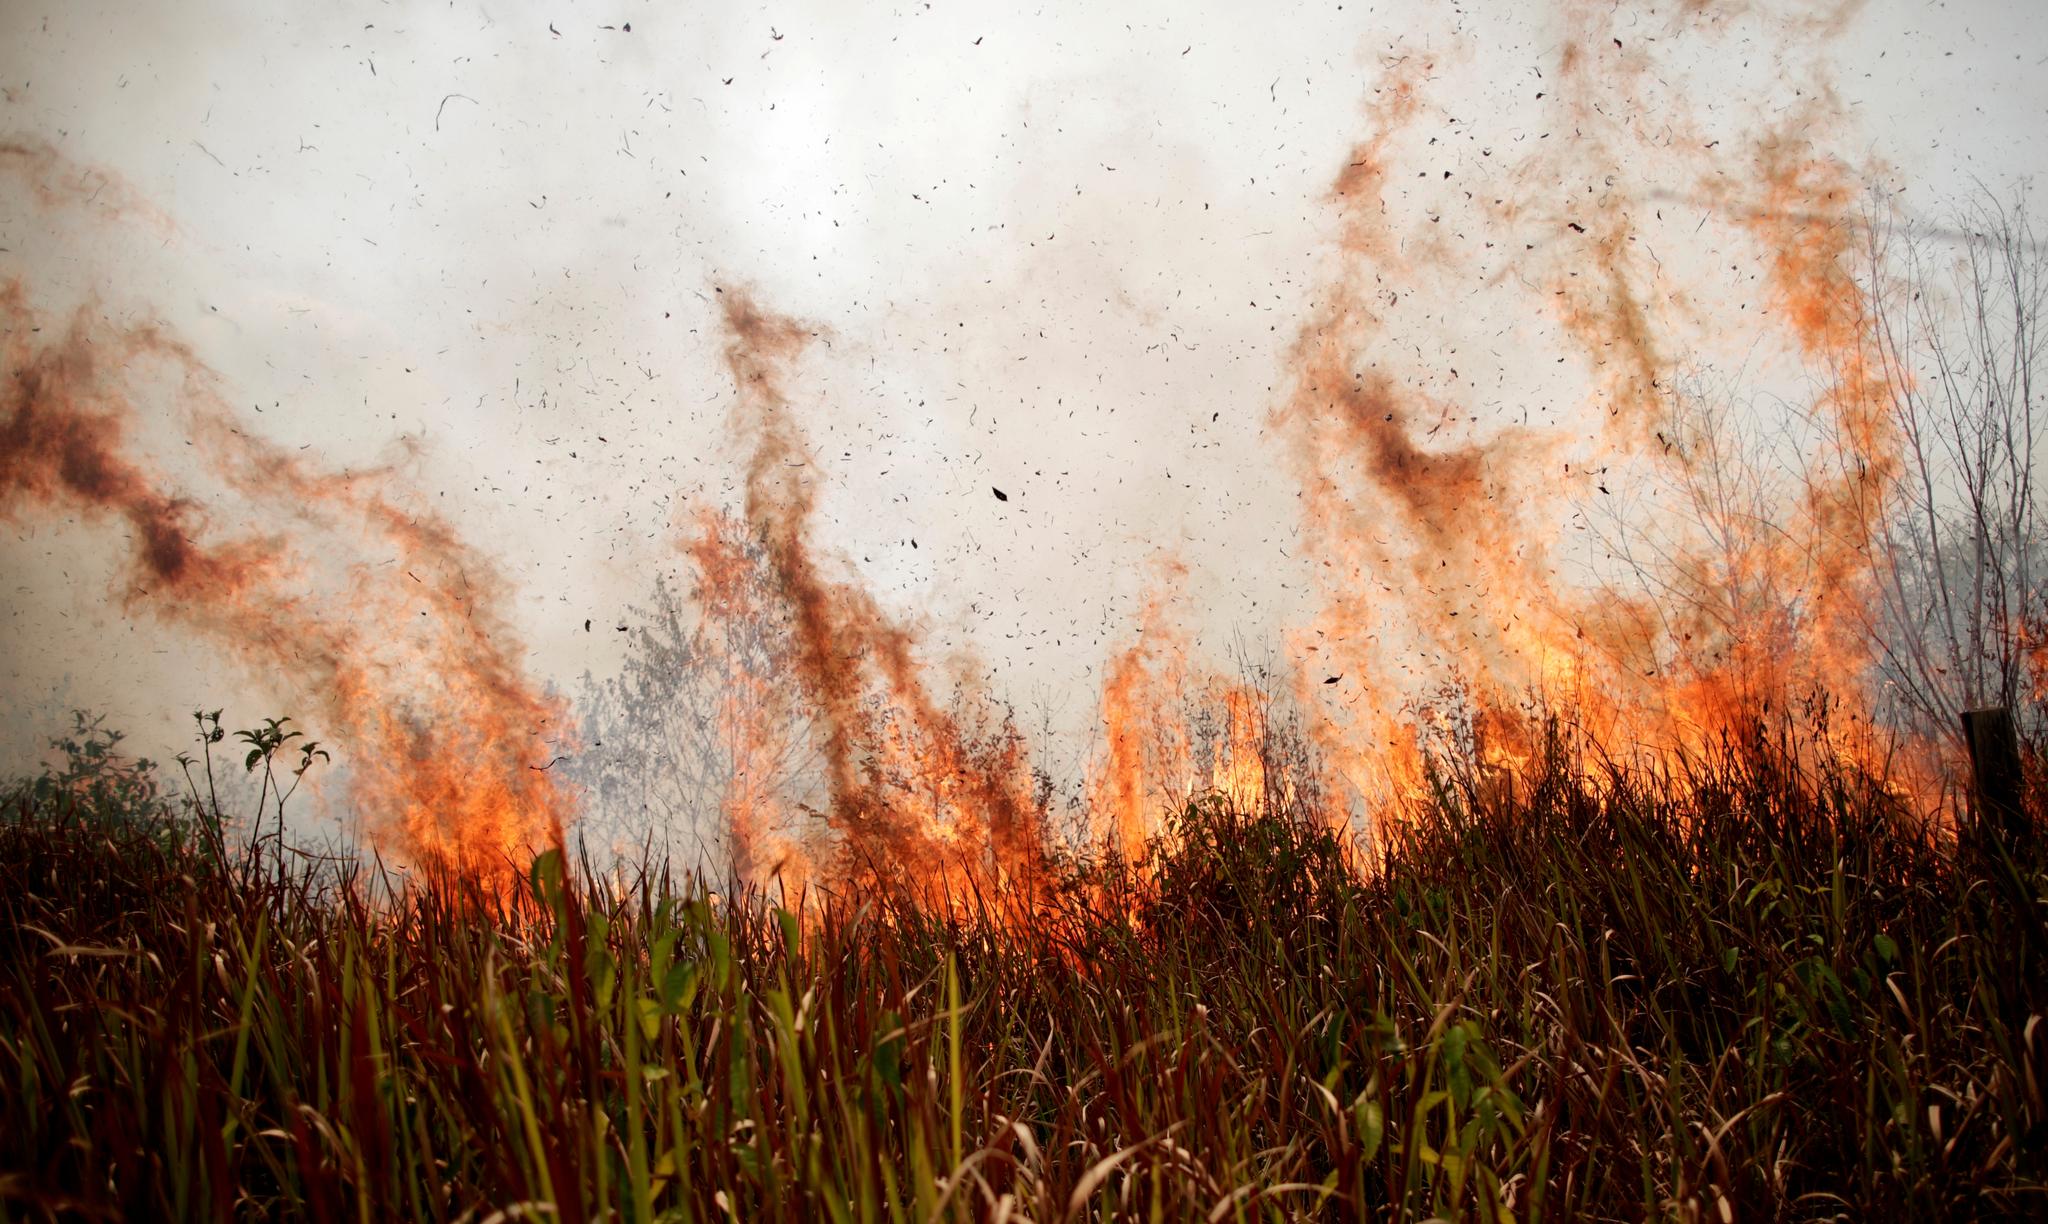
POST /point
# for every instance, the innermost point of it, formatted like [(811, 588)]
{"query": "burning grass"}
[(1752, 991)]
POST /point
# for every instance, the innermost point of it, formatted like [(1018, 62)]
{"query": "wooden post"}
[(1995, 771)]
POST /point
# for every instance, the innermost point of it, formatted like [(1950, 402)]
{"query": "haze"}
[(1062, 253)]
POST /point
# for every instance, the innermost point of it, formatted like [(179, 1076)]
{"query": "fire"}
[(1146, 745), (755, 724), (1237, 770), (379, 616), (1454, 608), (1445, 623), (2036, 637), (919, 795), (1171, 732)]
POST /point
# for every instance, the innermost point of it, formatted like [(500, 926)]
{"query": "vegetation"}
[(1747, 990)]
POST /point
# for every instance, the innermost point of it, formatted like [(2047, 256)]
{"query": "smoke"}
[(1416, 391), (55, 183)]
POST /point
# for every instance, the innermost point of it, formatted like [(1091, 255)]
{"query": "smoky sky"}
[(1064, 252)]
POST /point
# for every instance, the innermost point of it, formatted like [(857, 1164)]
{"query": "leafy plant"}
[(93, 780)]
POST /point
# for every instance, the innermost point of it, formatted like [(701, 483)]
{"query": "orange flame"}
[(1446, 618), (917, 792), (1146, 746), (1237, 768), (402, 648)]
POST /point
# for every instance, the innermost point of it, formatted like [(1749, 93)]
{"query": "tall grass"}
[(1753, 991)]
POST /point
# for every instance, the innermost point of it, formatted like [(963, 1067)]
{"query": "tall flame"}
[(1146, 743), (1444, 617), (919, 794), (1453, 611), (380, 616)]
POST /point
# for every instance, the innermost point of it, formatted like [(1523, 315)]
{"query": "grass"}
[(1751, 991)]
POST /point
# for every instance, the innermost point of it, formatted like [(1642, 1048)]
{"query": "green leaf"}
[(679, 987), (1372, 1127), (661, 949), (649, 1015), (546, 876), (888, 1056), (604, 976), (1460, 1075)]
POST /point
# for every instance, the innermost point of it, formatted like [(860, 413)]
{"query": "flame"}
[(1146, 746), (919, 795), (381, 617), (1238, 768), (1448, 619), (2035, 638), (749, 715), (1155, 705), (1444, 621)]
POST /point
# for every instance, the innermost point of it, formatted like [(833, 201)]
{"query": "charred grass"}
[(1750, 991)]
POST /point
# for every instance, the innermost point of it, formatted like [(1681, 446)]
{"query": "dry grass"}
[(1750, 992)]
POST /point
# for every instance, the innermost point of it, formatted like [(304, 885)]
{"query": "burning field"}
[(1611, 783)]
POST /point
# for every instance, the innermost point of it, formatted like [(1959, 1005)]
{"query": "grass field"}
[(1750, 991)]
